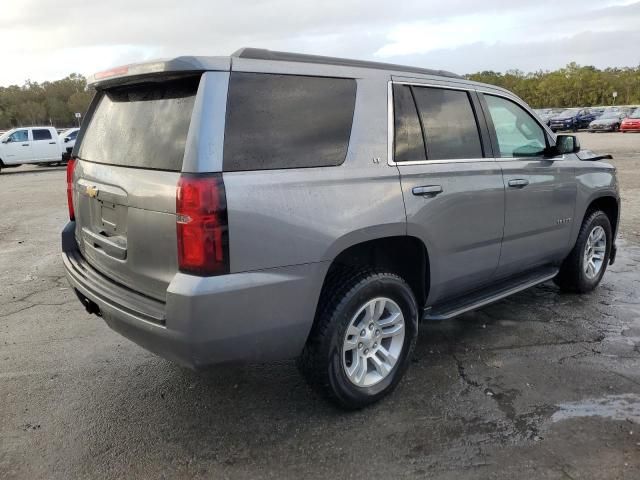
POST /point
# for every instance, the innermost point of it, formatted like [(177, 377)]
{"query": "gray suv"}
[(270, 205)]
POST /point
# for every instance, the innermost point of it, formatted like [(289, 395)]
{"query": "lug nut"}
[(377, 333), (363, 332), (366, 351), (371, 326), (360, 345), (375, 345)]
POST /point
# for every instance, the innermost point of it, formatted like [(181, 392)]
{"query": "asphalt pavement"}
[(540, 385)]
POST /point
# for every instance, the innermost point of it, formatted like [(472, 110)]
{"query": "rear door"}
[(44, 146), (129, 161), (452, 187), (540, 191)]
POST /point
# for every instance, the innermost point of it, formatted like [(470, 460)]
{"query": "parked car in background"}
[(545, 114), (68, 139), (29, 145), (279, 205), (632, 122), (609, 121), (572, 119)]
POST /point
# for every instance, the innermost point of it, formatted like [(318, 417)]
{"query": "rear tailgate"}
[(129, 164)]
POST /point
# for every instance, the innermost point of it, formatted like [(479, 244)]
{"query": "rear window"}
[(143, 126), (408, 139), (287, 121), (41, 134), (449, 124)]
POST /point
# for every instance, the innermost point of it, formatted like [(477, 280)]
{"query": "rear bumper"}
[(243, 317)]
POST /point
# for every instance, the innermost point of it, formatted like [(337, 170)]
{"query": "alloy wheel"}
[(594, 252), (373, 342)]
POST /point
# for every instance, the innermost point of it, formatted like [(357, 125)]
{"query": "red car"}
[(631, 123)]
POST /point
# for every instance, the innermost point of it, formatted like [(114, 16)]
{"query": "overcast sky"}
[(46, 40)]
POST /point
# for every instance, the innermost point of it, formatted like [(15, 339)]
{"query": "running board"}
[(492, 294)]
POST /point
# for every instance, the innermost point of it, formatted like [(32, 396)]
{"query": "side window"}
[(41, 134), (19, 136), (287, 121), (450, 127), (518, 134), (408, 141)]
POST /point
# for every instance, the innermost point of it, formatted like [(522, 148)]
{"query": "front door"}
[(18, 148), (540, 191), (452, 186)]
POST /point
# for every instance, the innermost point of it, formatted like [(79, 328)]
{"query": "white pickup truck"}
[(30, 145)]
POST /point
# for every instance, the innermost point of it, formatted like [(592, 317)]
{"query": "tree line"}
[(56, 102), (49, 103), (571, 86)]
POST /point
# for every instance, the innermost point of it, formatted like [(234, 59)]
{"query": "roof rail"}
[(263, 54)]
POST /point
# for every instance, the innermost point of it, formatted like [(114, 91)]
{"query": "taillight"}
[(71, 165), (201, 217)]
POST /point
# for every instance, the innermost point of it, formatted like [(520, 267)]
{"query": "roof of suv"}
[(193, 63)]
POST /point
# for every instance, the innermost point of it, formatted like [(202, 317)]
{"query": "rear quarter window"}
[(142, 126), (287, 121)]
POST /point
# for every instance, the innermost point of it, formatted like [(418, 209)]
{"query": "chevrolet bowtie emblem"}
[(92, 191)]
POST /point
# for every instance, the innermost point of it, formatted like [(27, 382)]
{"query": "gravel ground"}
[(541, 385)]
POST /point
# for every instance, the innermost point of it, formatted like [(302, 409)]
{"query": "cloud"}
[(94, 35)]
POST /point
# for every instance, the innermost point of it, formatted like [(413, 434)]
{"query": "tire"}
[(572, 276), (616, 128), (341, 312)]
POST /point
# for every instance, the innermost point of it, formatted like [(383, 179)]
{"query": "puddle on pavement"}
[(615, 407)]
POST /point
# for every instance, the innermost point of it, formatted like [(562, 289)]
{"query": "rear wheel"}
[(360, 346), (583, 269), (616, 128)]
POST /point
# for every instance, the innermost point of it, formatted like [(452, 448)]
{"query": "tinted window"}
[(287, 121), (450, 127), (72, 135), (408, 140), (19, 136), (39, 134), (518, 134), (141, 125)]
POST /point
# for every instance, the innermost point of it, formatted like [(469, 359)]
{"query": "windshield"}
[(568, 113), (67, 132), (6, 134)]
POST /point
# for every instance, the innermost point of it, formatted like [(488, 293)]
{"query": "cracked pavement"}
[(540, 385)]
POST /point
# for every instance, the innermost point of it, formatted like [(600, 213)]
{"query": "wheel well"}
[(609, 205), (403, 255)]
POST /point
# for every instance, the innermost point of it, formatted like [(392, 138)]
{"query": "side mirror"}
[(6, 140), (566, 144)]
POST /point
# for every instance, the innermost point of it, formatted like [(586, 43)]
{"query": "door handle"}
[(25, 144), (427, 190), (518, 183), (52, 143)]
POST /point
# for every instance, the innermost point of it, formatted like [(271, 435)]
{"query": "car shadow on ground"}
[(39, 169)]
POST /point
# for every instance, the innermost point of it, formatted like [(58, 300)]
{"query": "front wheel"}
[(584, 268), (364, 332)]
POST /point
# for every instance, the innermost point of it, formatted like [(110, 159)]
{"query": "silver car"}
[(270, 205)]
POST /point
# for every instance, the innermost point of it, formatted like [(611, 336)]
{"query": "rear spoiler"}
[(179, 65)]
